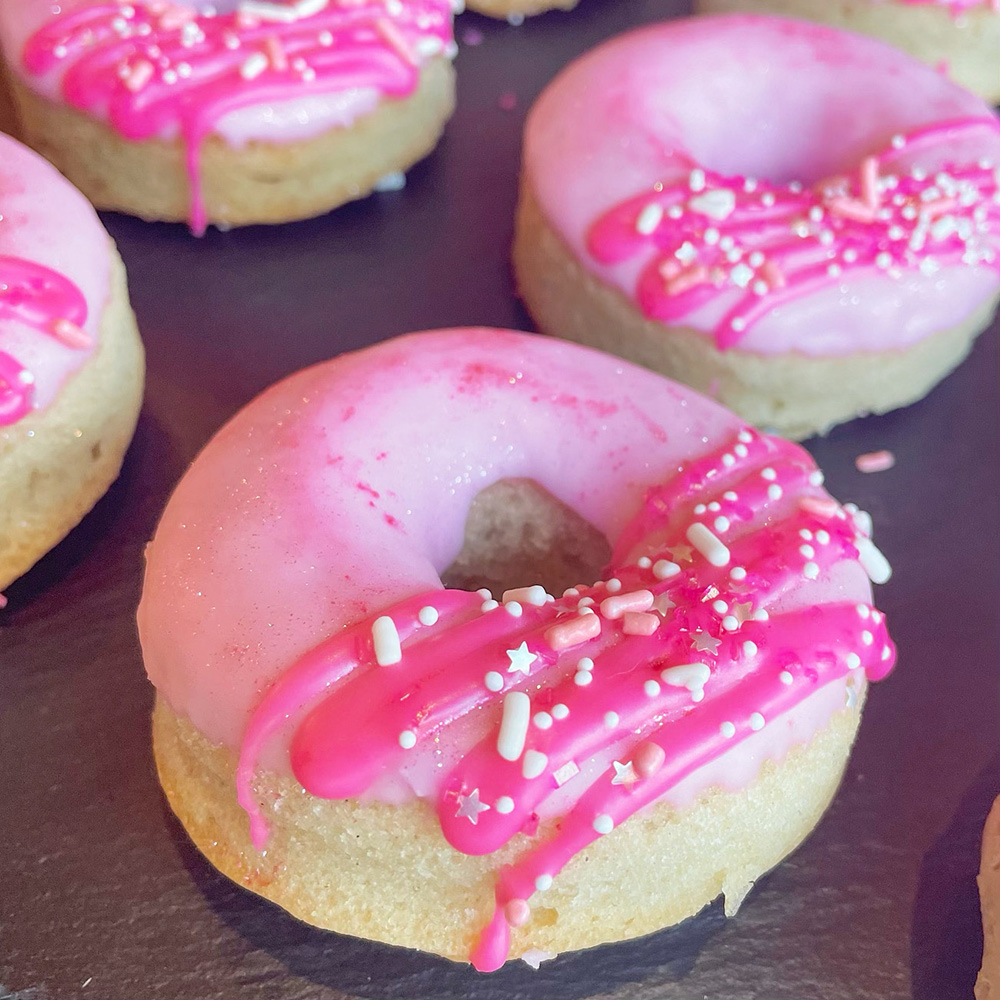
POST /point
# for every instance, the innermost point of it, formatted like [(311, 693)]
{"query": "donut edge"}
[(988, 981)]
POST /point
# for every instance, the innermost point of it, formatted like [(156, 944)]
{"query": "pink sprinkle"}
[(472, 36), (648, 759), (640, 623), (943, 67), (773, 274), (244, 19), (393, 37), (138, 75), (636, 600), (821, 506), (3, 602), (934, 209), (851, 208), (275, 53), (573, 631), (508, 101), (875, 461), (869, 182), (68, 333), (517, 912), (687, 279), (175, 16)]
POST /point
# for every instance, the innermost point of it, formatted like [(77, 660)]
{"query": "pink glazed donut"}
[(71, 362), (959, 37), (484, 777), (705, 197), (230, 113)]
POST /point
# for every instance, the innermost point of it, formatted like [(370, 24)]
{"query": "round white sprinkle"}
[(810, 571), (722, 524), (806, 534), (427, 615), (559, 711), (407, 739), (853, 661), (504, 805), (745, 436), (715, 506), (603, 824), (769, 474), (761, 615), (533, 764), (571, 592), (613, 585), (756, 721), (750, 648), (730, 623), (728, 459), (493, 681), (644, 562), (728, 730), (663, 569), (582, 678), (542, 720), (741, 450), (774, 492), (730, 495), (720, 606), (611, 719), (823, 537), (807, 551), (652, 689), (514, 609), (786, 677), (585, 663), (489, 605), (867, 638), (484, 593), (738, 573), (816, 478), (585, 602), (543, 882), (700, 509), (863, 610)]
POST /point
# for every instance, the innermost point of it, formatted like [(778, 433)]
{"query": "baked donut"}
[(265, 111), (487, 777), (515, 11), (71, 362), (703, 197), (988, 981), (959, 37)]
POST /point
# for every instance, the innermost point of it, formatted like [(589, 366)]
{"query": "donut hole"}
[(518, 534)]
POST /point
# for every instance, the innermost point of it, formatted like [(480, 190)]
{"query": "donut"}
[(231, 114), (515, 11), (704, 198), (71, 363), (988, 981), (958, 37), (518, 775)]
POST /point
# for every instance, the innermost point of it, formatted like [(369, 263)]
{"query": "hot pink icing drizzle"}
[(49, 302), (716, 234), (693, 652), (151, 65)]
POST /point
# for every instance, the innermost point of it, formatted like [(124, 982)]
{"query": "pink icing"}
[(153, 68), (54, 281), (269, 605), (775, 102), (715, 234)]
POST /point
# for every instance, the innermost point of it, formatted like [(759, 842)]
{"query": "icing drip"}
[(50, 303), (656, 671), (150, 66), (766, 244)]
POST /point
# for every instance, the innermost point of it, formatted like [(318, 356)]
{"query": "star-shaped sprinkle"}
[(742, 612), (703, 642), (521, 659), (681, 553), (663, 604), (624, 774), (469, 807)]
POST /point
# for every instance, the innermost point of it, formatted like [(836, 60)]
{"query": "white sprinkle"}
[(611, 719), (493, 681), (489, 605), (741, 451), (720, 606), (542, 720), (769, 474), (728, 730), (696, 179), (867, 638), (407, 739), (756, 721), (504, 805), (745, 436), (750, 648), (730, 495), (853, 661), (816, 478), (786, 677), (484, 593), (728, 459), (543, 882), (761, 615), (862, 609), (613, 585), (823, 537), (514, 725), (722, 524), (651, 688), (254, 65), (395, 181), (649, 218), (741, 275), (707, 544), (875, 564), (700, 509), (738, 573), (774, 492), (559, 711), (514, 609), (582, 678), (810, 571), (693, 676), (603, 824), (663, 569), (534, 764), (427, 615), (807, 551), (730, 623), (564, 773), (385, 640), (535, 596), (806, 534), (686, 253), (718, 204)]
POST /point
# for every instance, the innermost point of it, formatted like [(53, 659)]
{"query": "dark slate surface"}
[(101, 894)]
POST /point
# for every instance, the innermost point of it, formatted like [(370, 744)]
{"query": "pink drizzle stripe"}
[(50, 303), (716, 235), (717, 667), (150, 66)]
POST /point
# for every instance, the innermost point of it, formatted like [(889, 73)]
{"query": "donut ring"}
[(959, 37), (267, 112), (763, 242), (71, 364), (487, 762)]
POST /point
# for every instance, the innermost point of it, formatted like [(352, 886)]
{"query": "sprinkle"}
[(493, 681), (611, 719), (534, 764), (761, 615), (875, 564), (394, 181), (68, 333), (565, 773), (663, 569), (517, 912), (138, 75), (582, 678), (717, 204), (807, 551), (693, 676), (407, 739), (649, 218), (613, 585), (489, 605), (853, 661), (559, 711), (514, 725), (644, 562), (696, 179), (651, 688), (820, 506), (720, 607), (625, 773), (867, 638), (514, 609), (730, 623), (728, 730), (504, 805), (750, 648), (469, 807), (521, 659), (603, 824), (535, 596), (774, 492), (707, 544), (756, 721), (427, 615), (253, 66), (738, 573), (542, 720), (573, 631), (875, 461), (385, 640), (616, 606), (543, 882), (648, 759), (640, 623), (785, 677), (722, 524)]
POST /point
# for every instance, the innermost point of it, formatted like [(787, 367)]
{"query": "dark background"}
[(102, 895)]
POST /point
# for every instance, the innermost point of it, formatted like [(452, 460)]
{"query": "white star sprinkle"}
[(469, 807), (521, 659), (624, 774)]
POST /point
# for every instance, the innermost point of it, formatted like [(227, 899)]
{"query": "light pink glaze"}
[(295, 573), (54, 281), (724, 100), (154, 68)]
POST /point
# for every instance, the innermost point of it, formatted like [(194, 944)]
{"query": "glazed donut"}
[(959, 37), (71, 362), (723, 214), (988, 981), (486, 778), (265, 111)]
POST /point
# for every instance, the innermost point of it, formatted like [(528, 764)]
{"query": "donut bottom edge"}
[(56, 463), (966, 45), (385, 873), (258, 183), (518, 8), (988, 981), (792, 394)]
